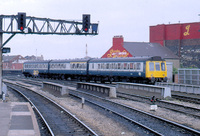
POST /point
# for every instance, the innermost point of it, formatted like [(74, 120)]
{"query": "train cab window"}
[(151, 66), (157, 66), (163, 66)]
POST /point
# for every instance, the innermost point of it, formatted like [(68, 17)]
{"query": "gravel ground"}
[(165, 113), (108, 127), (98, 122)]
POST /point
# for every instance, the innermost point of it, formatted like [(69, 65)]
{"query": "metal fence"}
[(192, 89), (189, 76)]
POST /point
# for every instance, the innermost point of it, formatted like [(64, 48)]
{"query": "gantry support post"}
[(1, 64)]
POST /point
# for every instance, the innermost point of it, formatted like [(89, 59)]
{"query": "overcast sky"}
[(130, 18)]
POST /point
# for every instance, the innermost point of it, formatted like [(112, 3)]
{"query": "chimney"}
[(118, 41)]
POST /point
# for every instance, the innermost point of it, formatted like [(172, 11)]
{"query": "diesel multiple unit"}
[(133, 69)]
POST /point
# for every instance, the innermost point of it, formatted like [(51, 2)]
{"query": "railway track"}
[(57, 119), (145, 128), (186, 98), (164, 104), (38, 82), (151, 124)]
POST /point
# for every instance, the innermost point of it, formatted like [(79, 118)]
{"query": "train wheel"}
[(111, 80)]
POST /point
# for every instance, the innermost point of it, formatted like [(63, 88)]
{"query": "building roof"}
[(11, 58), (149, 49)]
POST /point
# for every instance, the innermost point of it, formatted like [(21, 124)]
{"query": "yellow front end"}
[(156, 71)]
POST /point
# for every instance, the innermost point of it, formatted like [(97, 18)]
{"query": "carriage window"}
[(135, 66), (119, 64), (128, 66), (125, 65), (138, 66), (99, 66), (163, 66), (131, 65), (92, 65), (157, 66), (116, 66), (111, 65), (151, 66), (84, 66), (107, 66), (122, 65)]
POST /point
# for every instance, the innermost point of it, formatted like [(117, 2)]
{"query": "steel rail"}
[(185, 98), (47, 125), (66, 111), (162, 104), (146, 113), (127, 118)]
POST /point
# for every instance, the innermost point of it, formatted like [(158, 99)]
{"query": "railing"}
[(144, 90), (98, 88), (56, 87), (189, 76), (194, 89)]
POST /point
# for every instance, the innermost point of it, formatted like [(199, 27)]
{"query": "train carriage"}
[(133, 69), (35, 68), (63, 69)]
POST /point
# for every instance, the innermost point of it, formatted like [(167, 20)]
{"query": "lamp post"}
[(199, 18)]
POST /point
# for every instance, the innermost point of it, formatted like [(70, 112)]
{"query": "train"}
[(132, 69)]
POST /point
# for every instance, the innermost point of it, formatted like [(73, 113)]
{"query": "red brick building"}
[(117, 50), (13, 62), (182, 39), (138, 49)]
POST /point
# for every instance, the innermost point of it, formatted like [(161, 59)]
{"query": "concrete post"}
[(1, 66)]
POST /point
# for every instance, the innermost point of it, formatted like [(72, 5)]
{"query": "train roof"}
[(58, 61), (38, 61), (145, 58), (69, 60)]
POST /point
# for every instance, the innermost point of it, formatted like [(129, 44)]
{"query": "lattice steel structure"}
[(42, 26), (35, 25)]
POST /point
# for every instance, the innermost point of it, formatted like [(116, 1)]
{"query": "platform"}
[(18, 119)]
